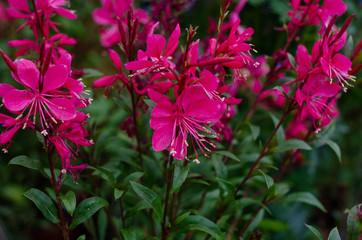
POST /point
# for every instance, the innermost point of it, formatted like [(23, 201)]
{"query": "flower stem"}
[(168, 190), (56, 189)]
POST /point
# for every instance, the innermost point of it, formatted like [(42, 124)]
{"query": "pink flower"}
[(188, 116), (38, 97), (107, 81), (156, 56)]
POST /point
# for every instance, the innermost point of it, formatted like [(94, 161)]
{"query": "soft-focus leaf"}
[(352, 227), (228, 187), (82, 237), (132, 177), (69, 201), (268, 180), (227, 154), (280, 135), (90, 73), (86, 209), (314, 231), (305, 197), (199, 223), (28, 163), (334, 146), (255, 131), (292, 144), (129, 234), (334, 234), (151, 104), (44, 203), (292, 61), (102, 225), (117, 193), (149, 196), (105, 174), (182, 217), (179, 177)]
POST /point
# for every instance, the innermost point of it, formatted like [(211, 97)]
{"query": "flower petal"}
[(5, 88), (28, 73), (155, 45), (208, 80), (61, 108), (17, 100), (162, 138), (55, 77), (172, 42)]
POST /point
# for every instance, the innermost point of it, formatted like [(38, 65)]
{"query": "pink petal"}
[(162, 138), (5, 88), (342, 63), (209, 81), (197, 105), (163, 109), (17, 100), (6, 136), (104, 81), (21, 5), (138, 65), (66, 13), (66, 59), (115, 59), (155, 45), (55, 77), (172, 42), (61, 108), (303, 57), (28, 73), (299, 98), (335, 7), (74, 85), (233, 100), (102, 16), (156, 96), (163, 87), (179, 149)]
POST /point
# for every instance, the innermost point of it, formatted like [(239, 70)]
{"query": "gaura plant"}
[(195, 156)]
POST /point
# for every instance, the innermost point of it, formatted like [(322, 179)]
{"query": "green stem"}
[(168, 190)]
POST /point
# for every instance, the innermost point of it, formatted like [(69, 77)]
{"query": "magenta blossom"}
[(190, 114), (156, 57), (39, 98)]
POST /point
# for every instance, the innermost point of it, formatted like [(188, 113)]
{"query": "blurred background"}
[(337, 186)]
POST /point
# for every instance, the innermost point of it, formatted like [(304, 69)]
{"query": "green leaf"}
[(348, 48), (292, 61), (179, 177), (86, 209), (273, 225), (128, 234), (69, 201), (90, 73), (305, 197), (132, 177), (44, 203), (151, 104), (292, 144), (228, 187), (82, 237), (334, 146), (149, 196), (199, 223), (268, 180), (314, 231), (255, 131), (352, 228), (105, 174), (280, 135), (28, 163), (334, 234), (182, 217), (255, 222), (227, 154), (117, 193), (102, 224)]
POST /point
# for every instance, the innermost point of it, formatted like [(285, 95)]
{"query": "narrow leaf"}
[(280, 135), (199, 223), (334, 234), (352, 228), (86, 209), (129, 234), (149, 196), (179, 177), (305, 197), (292, 61), (292, 144), (334, 146), (44, 203), (117, 193), (268, 180), (28, 163), (69, 202), (228, 154), (314, 231)]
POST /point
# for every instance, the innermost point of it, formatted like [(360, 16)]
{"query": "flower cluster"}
[(190, 92), (50, 94)]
